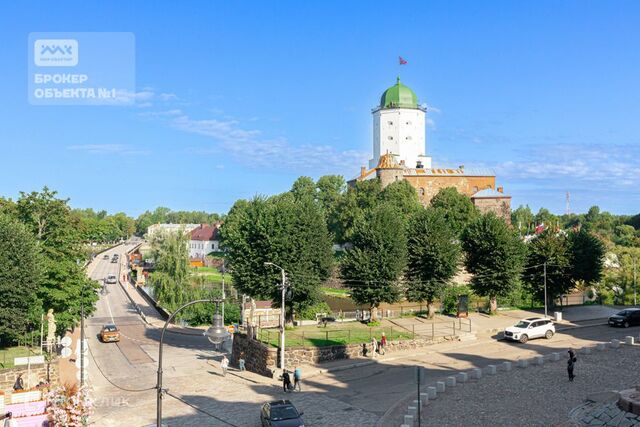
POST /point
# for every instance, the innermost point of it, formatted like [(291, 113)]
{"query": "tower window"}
[(390, 138), (409, 123), (409, 138), (390, 123), (421, 192)]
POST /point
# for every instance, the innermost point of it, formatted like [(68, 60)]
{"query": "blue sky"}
[(235, 99)]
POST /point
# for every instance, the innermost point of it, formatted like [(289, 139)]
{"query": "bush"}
[(310, 312), (450, 298), (373, 324)]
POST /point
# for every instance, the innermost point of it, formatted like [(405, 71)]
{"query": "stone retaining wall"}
[(263, 359), (38, 372)]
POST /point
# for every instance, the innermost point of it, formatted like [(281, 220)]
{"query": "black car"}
[(280, 413), (626, 318)]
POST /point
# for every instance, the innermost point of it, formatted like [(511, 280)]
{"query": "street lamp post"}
[(282, 309), (216, 334)]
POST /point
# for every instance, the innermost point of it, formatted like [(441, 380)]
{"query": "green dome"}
[(399, 96)]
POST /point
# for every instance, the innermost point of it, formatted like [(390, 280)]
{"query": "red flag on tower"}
[(401, 60)]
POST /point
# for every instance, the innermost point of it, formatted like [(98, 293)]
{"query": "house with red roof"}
[(204, 239)]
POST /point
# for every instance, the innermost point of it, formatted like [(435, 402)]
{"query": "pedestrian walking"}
[(572, 355), (286, 381), (570, 364), (224, 364), (383, 343), (241, 362), (19, 384), (364, 350), (297, 374), (374, 347)]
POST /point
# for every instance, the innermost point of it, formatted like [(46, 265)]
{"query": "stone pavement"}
[(602, 414), (537, 395)]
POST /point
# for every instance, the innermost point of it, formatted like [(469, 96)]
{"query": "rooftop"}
[(488, 193)]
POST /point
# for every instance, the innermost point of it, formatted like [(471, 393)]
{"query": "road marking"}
[(109, 307)]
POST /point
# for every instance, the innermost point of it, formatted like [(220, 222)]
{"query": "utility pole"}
[(223, 295), (82, 339), (545, 289), (634, 281)]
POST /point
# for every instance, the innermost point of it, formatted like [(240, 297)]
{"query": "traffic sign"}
[(86, 375), (66, 341), (66, 352), (86, 362)]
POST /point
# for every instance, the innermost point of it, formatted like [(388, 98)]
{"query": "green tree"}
[(547, 218), (523, 220), (65, 285), (365, 195), (331, 190), (457, 208), (494, 255), (21, 272), (170, 278), (587, 257), (373, 266), (403, 196), (433, 255), (283, 230), (552, 251)]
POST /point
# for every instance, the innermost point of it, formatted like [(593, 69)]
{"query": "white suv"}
[(533, 327)]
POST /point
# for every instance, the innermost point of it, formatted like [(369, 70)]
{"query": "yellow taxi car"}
[(109, 333)]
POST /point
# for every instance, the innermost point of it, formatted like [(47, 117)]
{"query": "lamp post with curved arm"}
[(216, 334)]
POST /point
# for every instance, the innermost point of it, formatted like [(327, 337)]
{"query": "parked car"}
[(109, 333), (626, 318), (280, 413), (105, 256), (111, 279), (533, 327), (114, 260)]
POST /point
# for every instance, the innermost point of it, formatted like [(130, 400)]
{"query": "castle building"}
[(400, 153)]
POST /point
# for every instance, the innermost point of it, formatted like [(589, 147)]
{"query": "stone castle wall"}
[(499, 206)]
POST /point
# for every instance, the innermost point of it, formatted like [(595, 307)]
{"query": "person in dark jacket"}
[(570, 364), (19, 384), (286, 381)]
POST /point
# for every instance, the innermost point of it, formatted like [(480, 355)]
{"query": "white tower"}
[(399, 128)]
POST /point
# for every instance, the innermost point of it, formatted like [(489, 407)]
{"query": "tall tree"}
[(494, 255), (352, 207), (21, 272), (64, 286), (457, 208), (403, 196), (553, 251), (587, 257), (433, 256), (523, 219), (331, 190), (373, 266), (289, 232)]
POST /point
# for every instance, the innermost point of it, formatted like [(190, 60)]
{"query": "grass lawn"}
[(211, 274), (338, 334), (342, 293), (7, 354)]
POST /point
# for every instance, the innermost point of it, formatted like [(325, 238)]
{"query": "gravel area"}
[(537, 395)]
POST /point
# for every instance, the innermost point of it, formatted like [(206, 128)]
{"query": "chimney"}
[(363, 170), (500, 189)]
